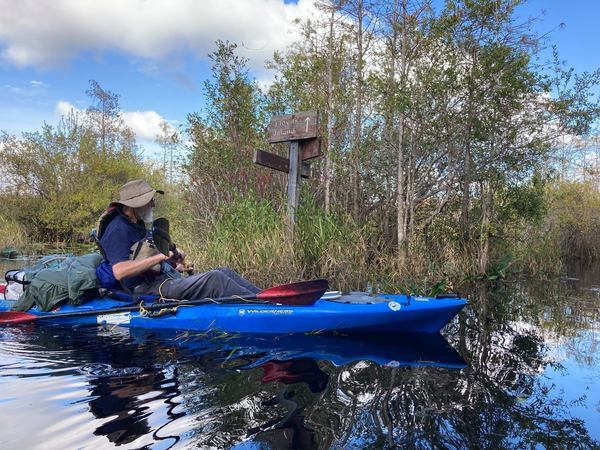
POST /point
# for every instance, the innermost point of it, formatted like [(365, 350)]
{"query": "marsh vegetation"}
[(452, 150)]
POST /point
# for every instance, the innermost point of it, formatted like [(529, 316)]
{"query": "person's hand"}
[(178, 255), (177, 260)]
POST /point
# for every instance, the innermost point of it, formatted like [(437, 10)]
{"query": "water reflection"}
[(510, 337), (125, 401), (526, 375), (288, 431), (228, 389), (119, 385), (390, 350)]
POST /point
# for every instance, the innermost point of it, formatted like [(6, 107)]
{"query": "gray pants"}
[(220, 282)]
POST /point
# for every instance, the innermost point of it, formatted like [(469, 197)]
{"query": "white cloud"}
[(34, 33), (64, 108), (145, 124), (37, 84)]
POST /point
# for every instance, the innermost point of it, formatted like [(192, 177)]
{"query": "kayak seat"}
[(94, 236)]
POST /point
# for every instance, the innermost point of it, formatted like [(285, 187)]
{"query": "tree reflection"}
[(499, 401)]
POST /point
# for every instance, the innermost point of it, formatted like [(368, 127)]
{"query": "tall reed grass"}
[(248, 235), (12, 234)]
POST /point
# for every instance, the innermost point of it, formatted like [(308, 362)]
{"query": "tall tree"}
[(169, 140), (104, 116), (224, 137), (313, 74)]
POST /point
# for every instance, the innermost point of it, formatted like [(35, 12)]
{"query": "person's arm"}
[(125, 269)]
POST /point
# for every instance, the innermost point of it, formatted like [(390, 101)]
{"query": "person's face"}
[(146, 212)]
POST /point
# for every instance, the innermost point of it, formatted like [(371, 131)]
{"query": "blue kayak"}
[(352, 313)]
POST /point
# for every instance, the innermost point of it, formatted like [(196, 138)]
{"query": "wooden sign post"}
[(300, 130), (293, 187)]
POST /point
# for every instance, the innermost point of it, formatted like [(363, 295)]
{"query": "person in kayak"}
[(126, 228)]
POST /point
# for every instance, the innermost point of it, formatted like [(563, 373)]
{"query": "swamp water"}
[(519, 368)]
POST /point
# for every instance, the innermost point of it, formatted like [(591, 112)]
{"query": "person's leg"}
[(211, 284), (239, 279), (151, 286)]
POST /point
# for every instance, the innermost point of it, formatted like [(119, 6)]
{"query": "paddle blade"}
[(8, 317), (161, 236), (300, 293)]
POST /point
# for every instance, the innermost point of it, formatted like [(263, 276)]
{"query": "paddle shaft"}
[(149, 307), (301, 293)]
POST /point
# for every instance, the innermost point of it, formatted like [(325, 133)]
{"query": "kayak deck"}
[(352, 313)]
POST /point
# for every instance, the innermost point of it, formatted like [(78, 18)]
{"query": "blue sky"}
[(153, 53), (578, 40)]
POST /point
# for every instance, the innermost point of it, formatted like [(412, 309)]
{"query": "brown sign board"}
[(277, 162), (310, 148), (293, 127)]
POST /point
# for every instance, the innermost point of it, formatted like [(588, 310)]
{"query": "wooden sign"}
[(310, 149), (293, 127), (301, 131), (279, 163)]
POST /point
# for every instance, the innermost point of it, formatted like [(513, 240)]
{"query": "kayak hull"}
[(356, 313)]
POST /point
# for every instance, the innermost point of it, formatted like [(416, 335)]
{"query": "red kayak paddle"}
[(302, 293)]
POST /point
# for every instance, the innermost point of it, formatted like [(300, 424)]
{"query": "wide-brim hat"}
[(136, 193)]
